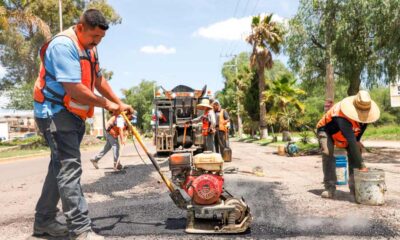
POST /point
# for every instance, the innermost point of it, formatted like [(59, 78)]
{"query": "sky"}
[(181, 41)]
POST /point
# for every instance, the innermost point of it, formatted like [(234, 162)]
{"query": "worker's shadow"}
[(339, 195)]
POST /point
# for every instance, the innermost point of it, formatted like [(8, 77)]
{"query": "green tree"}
[(266, 37), (24, 27), (141, 98), (232, 95), (282, 95), (360, 36)]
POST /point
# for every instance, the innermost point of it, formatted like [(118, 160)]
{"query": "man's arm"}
[(226, 117), (83, 95), (353, 148), (104, 89)]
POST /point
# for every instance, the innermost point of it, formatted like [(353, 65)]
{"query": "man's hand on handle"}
[(116, 109)]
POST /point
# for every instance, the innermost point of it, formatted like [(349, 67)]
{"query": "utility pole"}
[(239, 119), (60, 14)]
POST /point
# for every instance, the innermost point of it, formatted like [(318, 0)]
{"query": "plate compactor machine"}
[(211, 209), (197, 186)]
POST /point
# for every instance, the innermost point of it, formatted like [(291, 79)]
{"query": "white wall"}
[(4, 130)]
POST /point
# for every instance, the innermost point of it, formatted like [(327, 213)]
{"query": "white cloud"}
[(232, 29), (160, 49)]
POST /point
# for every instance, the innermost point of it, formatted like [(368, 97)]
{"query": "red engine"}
[(200, 176), (204, 189)]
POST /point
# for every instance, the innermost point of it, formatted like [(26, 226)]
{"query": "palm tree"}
[(281, 95), (266, 37)]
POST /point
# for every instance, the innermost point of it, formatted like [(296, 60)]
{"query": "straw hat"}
[(204, 104), (360, 108)]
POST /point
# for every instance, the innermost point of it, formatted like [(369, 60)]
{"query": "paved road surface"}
[(132, 204)]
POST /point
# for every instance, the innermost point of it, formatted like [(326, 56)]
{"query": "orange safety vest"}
[(205, 126), (222, 126), (89, 68), (338, 139), (114, 131)]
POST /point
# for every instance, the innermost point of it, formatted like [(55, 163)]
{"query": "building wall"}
[(97, 124), (19, 122), (4, 131)]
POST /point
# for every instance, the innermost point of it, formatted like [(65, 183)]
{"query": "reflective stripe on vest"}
[(221, 124), (338, 139), (89, 70)]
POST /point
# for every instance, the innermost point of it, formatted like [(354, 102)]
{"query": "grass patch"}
[(389, 132), (303, 147), (15, 142), (23, 153), (307, 146)]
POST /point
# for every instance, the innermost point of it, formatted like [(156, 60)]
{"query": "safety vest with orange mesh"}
[(89, 68), (221, 124), (206, 125), (338, 139), (114, 130)]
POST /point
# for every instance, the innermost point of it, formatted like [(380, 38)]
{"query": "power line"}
[(233, 47), (236, 8), (255, 7), (234, 15)]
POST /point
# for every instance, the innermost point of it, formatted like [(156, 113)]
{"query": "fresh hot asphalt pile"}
[(149, 212)]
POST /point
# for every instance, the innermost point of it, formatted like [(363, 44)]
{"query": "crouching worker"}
[(343, 126), (114, 131), (208, 127)]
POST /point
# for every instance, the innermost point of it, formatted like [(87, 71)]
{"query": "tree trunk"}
[(263, 112), (355, 82), (240, 126), (329, 36)]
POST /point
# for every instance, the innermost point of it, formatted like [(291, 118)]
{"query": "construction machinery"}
[(173, 109), (212, 209), (197, 182)]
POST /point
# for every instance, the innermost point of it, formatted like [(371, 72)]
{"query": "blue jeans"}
[(111, 143), (63, 133)]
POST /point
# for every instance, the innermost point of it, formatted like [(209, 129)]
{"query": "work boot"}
[(118, 167), (51, 227), (328, 193), (88, 235), (94, 162)]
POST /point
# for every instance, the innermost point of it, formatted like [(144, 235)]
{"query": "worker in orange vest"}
[(342, 127), (221, 126), (115, 128), (63, 98), (208, 124)]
